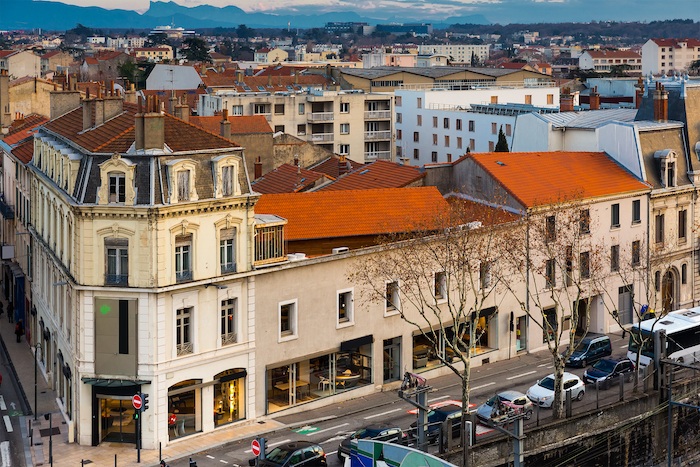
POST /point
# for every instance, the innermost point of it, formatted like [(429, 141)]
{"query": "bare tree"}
[(440, 278), (551, 260)]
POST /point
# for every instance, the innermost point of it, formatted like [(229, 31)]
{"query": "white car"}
[(542, 393)]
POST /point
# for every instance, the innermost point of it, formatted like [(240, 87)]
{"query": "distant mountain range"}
[(28, 14)]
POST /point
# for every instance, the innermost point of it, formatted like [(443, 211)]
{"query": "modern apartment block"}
[(440, 125), (667, 55), (462, 53), (350, 123), (605, 61)]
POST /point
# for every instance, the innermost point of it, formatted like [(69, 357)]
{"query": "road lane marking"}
[(223, 461), (8, 423), (210, 456), (328, 429), (383, 413), (482, 386), (437, 398), (521, 375), (624, 346), (2, 403), (5, 453), (270, 445)]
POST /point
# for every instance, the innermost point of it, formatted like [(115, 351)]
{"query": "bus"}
[(682, 336)]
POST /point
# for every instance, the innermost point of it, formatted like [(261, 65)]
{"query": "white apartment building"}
[(462, 53), (351, 123), (667, 55), (604, 61), (440, 125)]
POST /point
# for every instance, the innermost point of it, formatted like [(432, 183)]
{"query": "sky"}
[(494, 10)]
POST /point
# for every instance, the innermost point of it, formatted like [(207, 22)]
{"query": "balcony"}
[(7, 211), (375, 155), (377, 114), (377, 135), (320, 117), (228, 268), (183, 276), (185, 349), (229, 338), (117, 279), (321, 137)]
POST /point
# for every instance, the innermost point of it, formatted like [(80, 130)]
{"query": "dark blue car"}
[(438, 415)]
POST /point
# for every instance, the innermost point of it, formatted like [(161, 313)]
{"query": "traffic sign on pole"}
[(137, 401), (255, 446)]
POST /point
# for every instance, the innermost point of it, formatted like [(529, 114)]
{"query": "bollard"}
[(192, 463), (115, 460)]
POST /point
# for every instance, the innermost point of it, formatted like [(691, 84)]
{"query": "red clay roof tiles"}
[(286, 178), (541, 178), (240, 125), (377, 174), (321, 214)]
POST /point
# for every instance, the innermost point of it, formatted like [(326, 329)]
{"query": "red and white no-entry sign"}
[(255, 446), (136, 401)]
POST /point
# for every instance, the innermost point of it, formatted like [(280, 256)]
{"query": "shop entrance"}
[(117, 423)]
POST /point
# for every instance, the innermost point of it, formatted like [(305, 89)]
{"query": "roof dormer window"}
[(667, 159)]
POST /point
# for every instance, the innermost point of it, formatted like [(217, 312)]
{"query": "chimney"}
[(239, 76), (153, 125), (594, 99), (62, 102), (269, 81), (342, 165), (258, 168), (225, 125), (130, 94), (296, 160), (5, 116), (88, 111), (566, 101), (138, 125), (182, 110), (296, 77), (660, 103), (639, 92), (172, 103)]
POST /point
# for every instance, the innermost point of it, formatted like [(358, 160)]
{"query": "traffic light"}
[(136, 414), (144, 397)]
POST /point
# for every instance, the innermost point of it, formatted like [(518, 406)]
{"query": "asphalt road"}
[(11, 446), (328, 426)]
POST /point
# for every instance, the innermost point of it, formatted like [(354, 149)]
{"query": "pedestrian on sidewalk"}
[(10, 312), (163, 464), (19, 330)]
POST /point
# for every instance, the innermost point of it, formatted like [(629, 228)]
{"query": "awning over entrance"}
[(113, 383), (354, 344)]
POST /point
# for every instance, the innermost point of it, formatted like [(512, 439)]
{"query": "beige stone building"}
[(20, 63)]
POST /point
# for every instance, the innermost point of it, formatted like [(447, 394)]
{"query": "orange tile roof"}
[(606, 53), (331, 166), (117, 134), (22, 129), (377, 174), (24, 152), (269, 83), (190, 96), (278, 70), (320, 214), (287, 178), (541, 178), (240, 124), (675, 42)]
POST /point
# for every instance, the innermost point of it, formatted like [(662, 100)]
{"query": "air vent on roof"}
[(500, 163), (340, 249), (364, 171)]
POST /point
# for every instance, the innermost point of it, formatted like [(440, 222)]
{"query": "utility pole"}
[(416, 386)]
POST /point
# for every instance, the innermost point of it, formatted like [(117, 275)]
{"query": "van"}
[(590, 349)]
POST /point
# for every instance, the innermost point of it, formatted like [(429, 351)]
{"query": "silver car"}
[(505, 406)]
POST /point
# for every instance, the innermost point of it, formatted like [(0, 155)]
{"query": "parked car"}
[(590, 349), (436, 416), (294, 454), (542, 393), (607, 372), (505, 406), (380, 432)]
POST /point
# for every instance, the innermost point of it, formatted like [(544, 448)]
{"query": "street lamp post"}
[(37, 348)]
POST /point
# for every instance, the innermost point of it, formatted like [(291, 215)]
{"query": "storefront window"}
[(117, 419), (229, 396), (184, 408), (317, 377)]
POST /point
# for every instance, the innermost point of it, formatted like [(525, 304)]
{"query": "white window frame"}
[(117, 187), (227, 250), (349, 318), (395, 306), (440, 286), (227, 310), (292, 334), (344, 107), (344, 128), (184, 348)]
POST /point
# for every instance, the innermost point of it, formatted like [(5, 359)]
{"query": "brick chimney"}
[(225, 125), (594, 99), (149, 131), (660, 103), (566, 101), (639, 92), (5, 116), (258, 168), (172, 102), (130, 94)]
